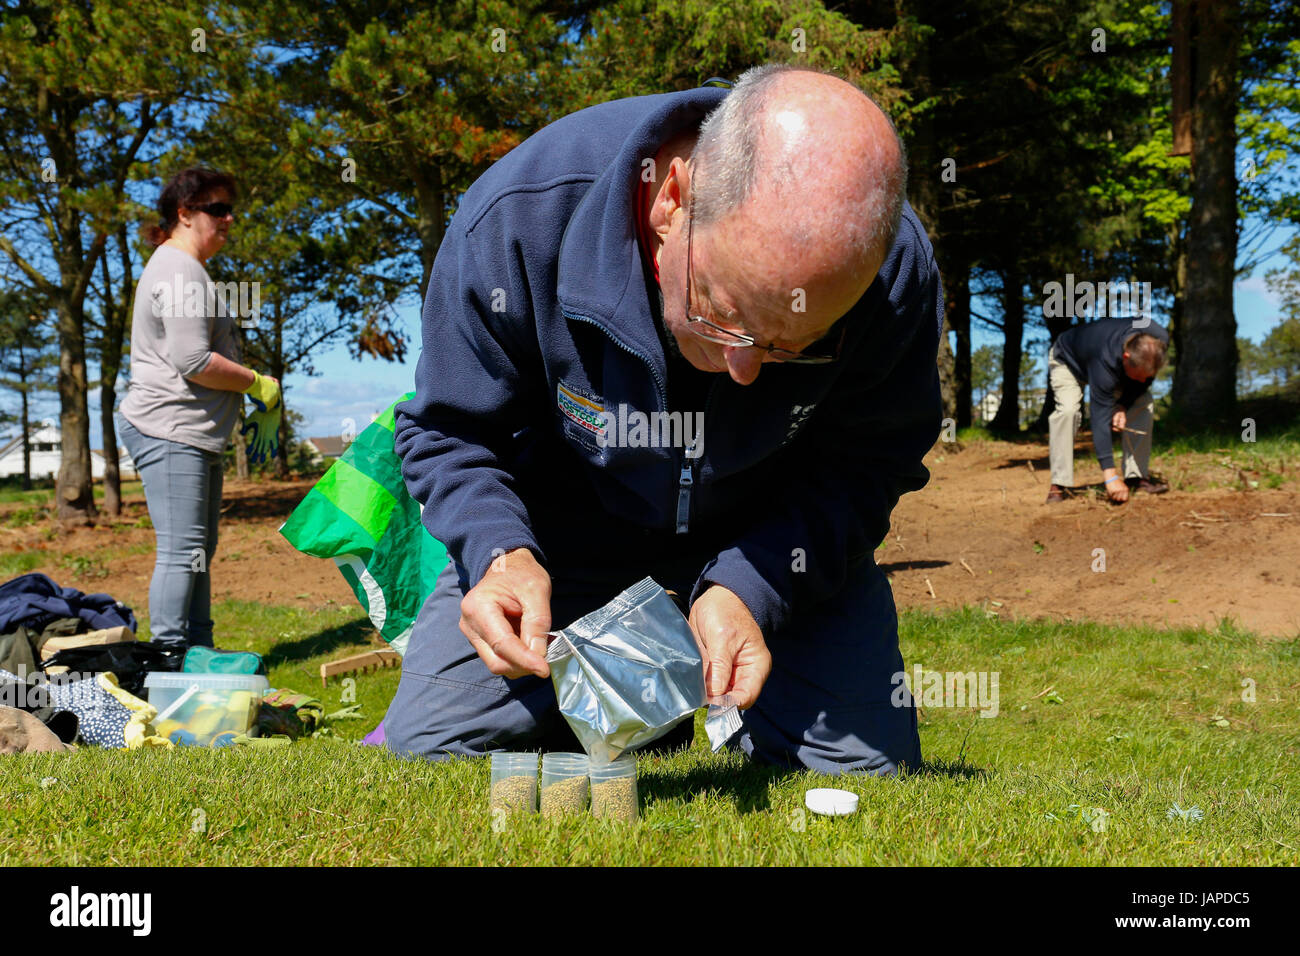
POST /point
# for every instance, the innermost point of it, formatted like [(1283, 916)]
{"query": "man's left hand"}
[(736, 660), (1118, 421)]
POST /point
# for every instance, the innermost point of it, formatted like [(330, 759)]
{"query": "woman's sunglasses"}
[(217, 210)]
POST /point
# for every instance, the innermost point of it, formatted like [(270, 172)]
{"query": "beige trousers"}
[(1133, 450)]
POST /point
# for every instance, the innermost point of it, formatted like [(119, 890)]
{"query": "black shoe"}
[(1147, 485)]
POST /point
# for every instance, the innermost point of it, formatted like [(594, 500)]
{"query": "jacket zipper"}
[(663, 389), (686, 481)]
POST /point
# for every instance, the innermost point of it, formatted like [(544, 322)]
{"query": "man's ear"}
[(668, 199)]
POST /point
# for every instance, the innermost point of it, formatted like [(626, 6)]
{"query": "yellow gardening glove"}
[(264, 441), (265, 392)]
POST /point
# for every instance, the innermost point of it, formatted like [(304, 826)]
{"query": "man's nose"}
[(744, 364)]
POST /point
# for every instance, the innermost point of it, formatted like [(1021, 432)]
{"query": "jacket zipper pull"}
[(684, 484)]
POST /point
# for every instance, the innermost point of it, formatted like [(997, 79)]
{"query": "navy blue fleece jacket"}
[(539, 319), (1094, 353)]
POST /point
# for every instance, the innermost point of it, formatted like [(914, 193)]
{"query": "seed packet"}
[(628, 673), (722, 722)]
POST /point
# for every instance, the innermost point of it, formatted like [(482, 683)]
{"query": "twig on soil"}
[(1275, 514), (1030, 465), (1206, 517), (966, 566), (1046, 690), (931, 588)]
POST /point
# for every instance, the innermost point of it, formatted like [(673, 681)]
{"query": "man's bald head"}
[(799, 160)]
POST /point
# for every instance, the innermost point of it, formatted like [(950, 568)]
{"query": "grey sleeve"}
[(187, 323)]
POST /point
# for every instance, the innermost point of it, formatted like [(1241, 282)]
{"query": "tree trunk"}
[(241, 449), (1013, 310), (285, 436), (110, 364), (112, 476), (26, 426), (277, 372), (957, 311), (74, 489), (430, 203), (1178, 255), (925, 191), (1205, 377)]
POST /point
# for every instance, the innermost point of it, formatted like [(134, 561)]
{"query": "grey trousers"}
[(1063, 426), (182, 486), (830, 704)]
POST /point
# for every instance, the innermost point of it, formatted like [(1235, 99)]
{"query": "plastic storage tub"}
[(565, 787), (613, 788), (205, 710), (514, 783)]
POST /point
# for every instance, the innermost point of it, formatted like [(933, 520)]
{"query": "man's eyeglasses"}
[(217, 210), (817, 354)]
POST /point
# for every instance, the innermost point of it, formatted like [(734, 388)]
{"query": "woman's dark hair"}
[(182, 191)]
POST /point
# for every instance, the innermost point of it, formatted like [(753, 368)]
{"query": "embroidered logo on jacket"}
[(582, 411)]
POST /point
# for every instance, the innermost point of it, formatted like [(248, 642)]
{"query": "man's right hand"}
[(507, 614), (1115, 486)]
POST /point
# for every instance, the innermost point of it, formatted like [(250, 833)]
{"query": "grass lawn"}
[(1111, 746)]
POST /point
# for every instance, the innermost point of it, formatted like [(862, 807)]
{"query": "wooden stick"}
[(359, 663), (966, 566), (931, 587), (1030, 464), (1134, 431)]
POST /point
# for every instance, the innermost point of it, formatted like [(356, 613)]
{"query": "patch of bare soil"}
[(981, 534)]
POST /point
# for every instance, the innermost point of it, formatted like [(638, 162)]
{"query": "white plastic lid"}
[(171, 680), (830, 802)]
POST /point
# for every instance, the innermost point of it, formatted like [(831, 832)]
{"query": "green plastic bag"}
[(360, 515)]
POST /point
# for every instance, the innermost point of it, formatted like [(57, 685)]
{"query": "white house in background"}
[(47, 455), (1030, 398), (331, 447), (988, 406)]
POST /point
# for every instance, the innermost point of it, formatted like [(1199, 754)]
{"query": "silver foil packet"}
[(722, 722), (628, 673)]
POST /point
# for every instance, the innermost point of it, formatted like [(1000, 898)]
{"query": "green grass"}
[(79, 568), (15, 563), (1090, 716), (10, 493), (44, 496)]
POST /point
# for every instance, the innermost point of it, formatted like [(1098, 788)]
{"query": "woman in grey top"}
[(183, 400)]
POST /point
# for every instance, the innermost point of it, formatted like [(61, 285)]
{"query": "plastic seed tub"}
[(205, 710)]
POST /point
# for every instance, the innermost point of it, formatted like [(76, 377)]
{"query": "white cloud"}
[(1254, 285)]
